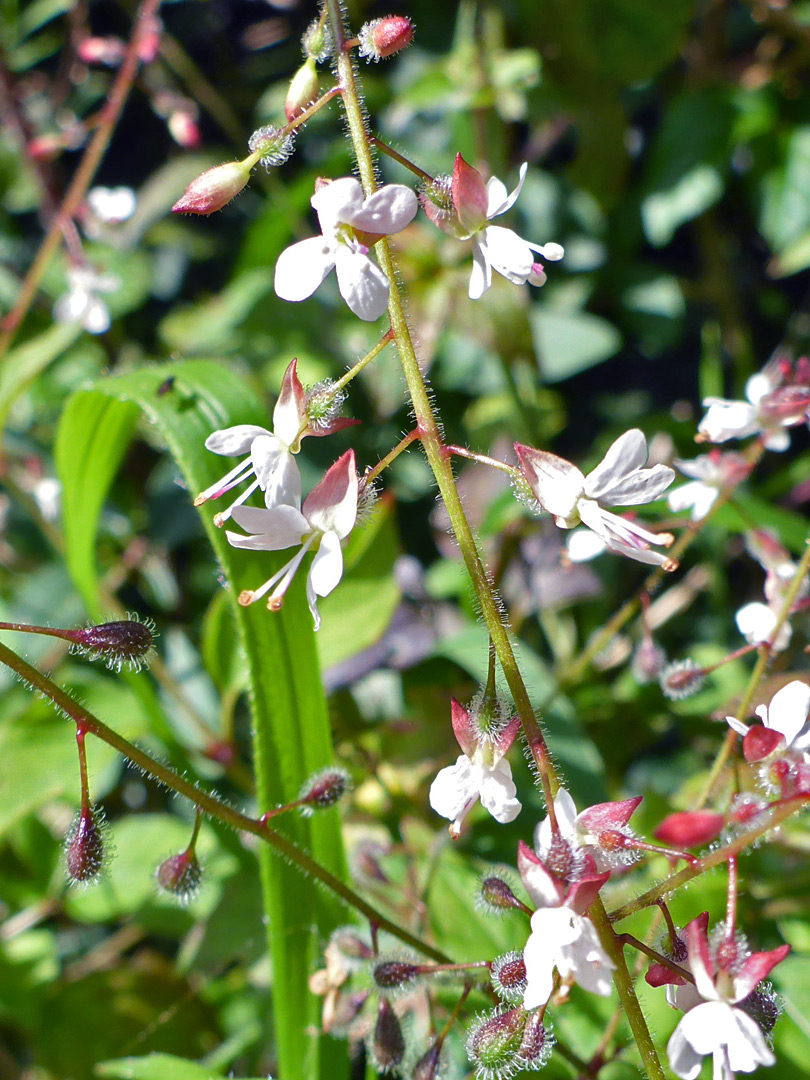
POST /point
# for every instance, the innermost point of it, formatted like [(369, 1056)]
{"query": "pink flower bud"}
[(690, 828), (303, 90), (213, 189), (184, 129), (324, 789), (384, 37), (101, 50), (85, 853)]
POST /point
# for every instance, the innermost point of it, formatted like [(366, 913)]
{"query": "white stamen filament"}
[(228, 481)]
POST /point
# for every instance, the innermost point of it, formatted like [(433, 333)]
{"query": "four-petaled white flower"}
[(787, 715), (350, 225), (771, 407), (494, 247), (717, 1025), (480, 772), (601, 831), (619, 480), (82, 303), (562, 936), (326, 518), (270, 456), (757, 621), (710, 473)]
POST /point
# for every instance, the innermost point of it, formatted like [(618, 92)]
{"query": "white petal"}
[(582, 545), (279, 528), (453, 788), (337, 202), (556, 483), (697, 495), (565, 811), (777, 441), (738, 725), (507, 253), (96, 318), (620, 479), (621, 535), (362, 284), (498, 202), (551, 252), (497, 793), (746, 1044), (327, 566), (684, 1061), (234, 441), (758, 386), (388, 210), (728, 420), (71, 306), (300, 269), (481, 275), (756, 622), (277, 472), (787, 712), (586, 960), (550, 926)]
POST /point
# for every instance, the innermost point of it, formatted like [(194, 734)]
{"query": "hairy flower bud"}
[(180, 875), (213, 189), (388, 1043), (393, 974), (384, 37), (508, 974), (324, 789), (496, 896), (681, 679), (85, 852), (687, 829), (493, 1042), (126, 643), (303, 90)]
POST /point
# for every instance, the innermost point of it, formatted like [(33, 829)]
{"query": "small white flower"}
[(788, 714), (326, 518), (757, 621), (710, 473), (81, 303), (620, 479), (350, 225), (770, 408), (480, 772), (104, 208)]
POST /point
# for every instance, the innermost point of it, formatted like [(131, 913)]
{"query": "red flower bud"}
[(324, 789), (690, 829), (213, 189), (384, 37)]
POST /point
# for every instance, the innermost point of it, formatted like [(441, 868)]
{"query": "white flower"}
[(619, 480), (350, 225), (716, 1026), (757, 621), (326, 518), (770, 408), (564, 940), (786, 714), (81, 303), (709, 473), (481, 772), (104, 208), (494, 247), (596, 830)]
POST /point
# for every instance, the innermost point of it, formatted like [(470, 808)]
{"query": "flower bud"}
[(429, 1064), (496, 896), (393, 974), (101, 50), (388, 1043), (180, 875), (184, 129), (317, 41), (213, 189), (273, 144), (324, 789), (384, 37), (303, 90), (125, 643), (508, 974), (648, 661), (687, 829), (84, 846), (493, 1042), (681, 679), (350, 944)]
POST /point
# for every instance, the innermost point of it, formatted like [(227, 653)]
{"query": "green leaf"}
[(155, 1067), (566, 344), (23, 364), (291, 730)]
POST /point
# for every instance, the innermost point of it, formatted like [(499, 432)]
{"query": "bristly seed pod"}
[(496, 896), (536, 1044), (324, 789), (85, 852), (273, 144), (428, 1065), (394, 974), (493, 1043), (681, 679), (508, 974), (388, 1044), (180, 876), (127, 643)]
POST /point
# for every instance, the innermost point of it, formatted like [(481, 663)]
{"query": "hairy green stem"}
[(207, 803)]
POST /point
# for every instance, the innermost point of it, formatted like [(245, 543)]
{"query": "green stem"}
[(207, 803)]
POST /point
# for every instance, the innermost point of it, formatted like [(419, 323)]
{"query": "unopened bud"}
[(497, 896), (101, 50), (184, 129), (303, 90), (84, 846), (324, 789), (125, 643), (508, 974), (384, 37), (388, 1042), (493, 1042), (213, 189), (687, 829), (429, 1064), (274, 145), (317, 41), (349, 942), (681, 679), (648, 661), (180, 875), (392, 974)]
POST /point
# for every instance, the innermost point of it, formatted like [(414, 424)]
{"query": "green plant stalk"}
[(209, 804), (442, 470), (757, 673)]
